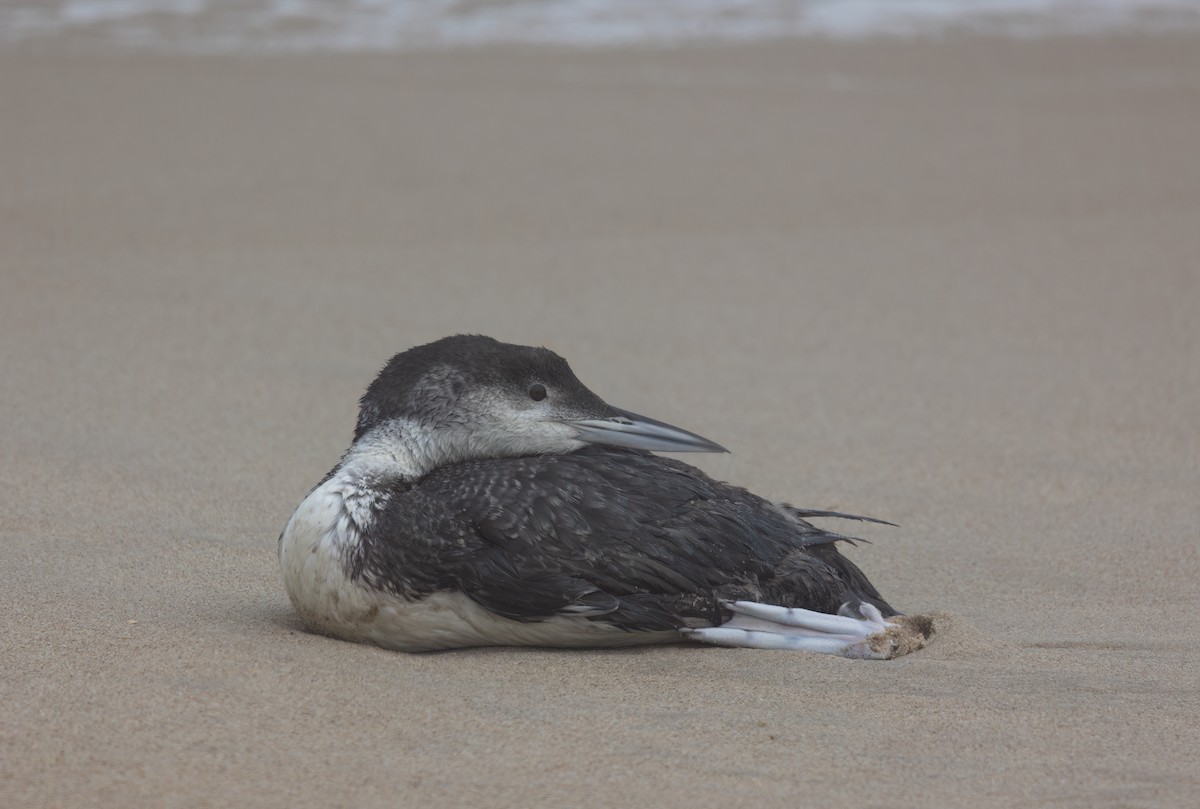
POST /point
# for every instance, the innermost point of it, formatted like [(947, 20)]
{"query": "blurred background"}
[(260, 26)]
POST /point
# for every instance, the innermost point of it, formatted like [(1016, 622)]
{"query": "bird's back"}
[(618, 536)]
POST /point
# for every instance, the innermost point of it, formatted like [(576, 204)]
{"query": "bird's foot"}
[(766, 626)]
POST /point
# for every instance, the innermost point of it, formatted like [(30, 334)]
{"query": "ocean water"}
[(258, 26)]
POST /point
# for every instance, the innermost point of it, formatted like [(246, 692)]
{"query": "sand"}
[(950, 284)]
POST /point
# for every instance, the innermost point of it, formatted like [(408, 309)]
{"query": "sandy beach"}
[(953, 284)]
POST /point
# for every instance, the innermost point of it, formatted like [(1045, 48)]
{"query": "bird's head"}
[(468, 396)]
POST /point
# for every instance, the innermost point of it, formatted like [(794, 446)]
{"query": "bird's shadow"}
[(283, 618)]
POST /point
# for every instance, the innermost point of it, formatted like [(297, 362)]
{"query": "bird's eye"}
[(537, 391)]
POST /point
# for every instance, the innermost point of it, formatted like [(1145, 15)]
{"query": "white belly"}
[(311, 553)]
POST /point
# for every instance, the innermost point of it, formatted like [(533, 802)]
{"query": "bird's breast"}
[(314, 553)]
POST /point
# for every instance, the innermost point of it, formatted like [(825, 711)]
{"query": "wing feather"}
[(620, 536)]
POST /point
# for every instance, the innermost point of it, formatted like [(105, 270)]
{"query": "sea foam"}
[(257, 26)]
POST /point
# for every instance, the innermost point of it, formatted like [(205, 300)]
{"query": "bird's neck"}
[(392, 453), (375, 466)]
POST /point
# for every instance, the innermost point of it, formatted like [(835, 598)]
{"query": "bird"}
[(489, 498)]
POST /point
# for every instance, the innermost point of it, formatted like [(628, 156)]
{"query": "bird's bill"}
[(640, 432)]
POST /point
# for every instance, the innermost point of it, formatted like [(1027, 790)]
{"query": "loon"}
[(490, 499)]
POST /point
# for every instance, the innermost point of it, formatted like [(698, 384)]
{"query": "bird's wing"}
[(618, 536)]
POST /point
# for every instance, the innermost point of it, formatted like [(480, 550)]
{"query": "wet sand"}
[(954, 285)]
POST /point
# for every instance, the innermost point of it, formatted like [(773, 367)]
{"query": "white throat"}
[(394, 451), (402, 450)]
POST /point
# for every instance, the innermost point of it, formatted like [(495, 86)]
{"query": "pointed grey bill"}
[(640, 432)]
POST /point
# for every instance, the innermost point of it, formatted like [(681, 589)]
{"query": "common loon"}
[(490, 499)]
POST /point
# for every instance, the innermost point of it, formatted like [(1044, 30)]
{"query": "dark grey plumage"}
[(618, 535)]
